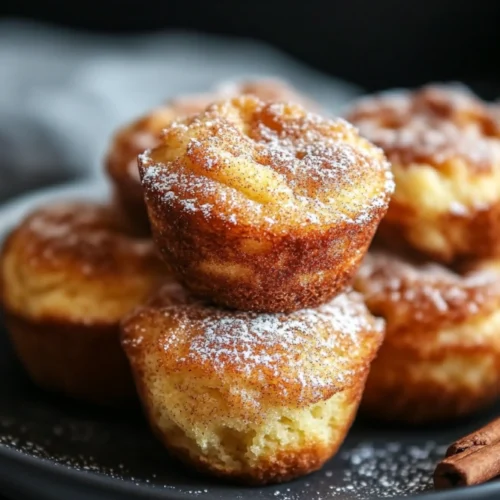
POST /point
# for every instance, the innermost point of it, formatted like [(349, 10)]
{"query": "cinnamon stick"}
[(473, 466), (473, 459), (488, 434)]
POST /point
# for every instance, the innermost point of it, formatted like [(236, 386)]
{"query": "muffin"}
[(255, 398), (121, 163), (441, 355), (68, 274), (136, 137), (264, 206), (443, 143)]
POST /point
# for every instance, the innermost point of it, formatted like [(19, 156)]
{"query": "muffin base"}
[(256, 270), (405, 386), (130, 206), (288, 464), (447, 237), (85, 362)]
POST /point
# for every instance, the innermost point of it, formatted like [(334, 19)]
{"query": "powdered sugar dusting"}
[(314, 163), (426, 287), (88, 235), (432, 125), (145, 132), (310, 351), (362, 470), (388, 470)]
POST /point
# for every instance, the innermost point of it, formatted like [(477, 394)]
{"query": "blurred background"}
[(71, 72)]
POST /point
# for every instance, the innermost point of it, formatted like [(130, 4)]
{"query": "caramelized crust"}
[(441, 357), (134, 138), (264, 207), (256, 398), (69, 273), (444, 145)]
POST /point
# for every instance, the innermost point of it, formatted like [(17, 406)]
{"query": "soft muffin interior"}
[(229, 440)]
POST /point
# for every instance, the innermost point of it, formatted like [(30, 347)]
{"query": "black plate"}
[(52, 448)]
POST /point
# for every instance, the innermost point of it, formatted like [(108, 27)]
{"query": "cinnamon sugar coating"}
[(254, 397), (441, 356), (68, 274), (431, 125), (264, 206), (143, 133), (444, 145), (121, 162)]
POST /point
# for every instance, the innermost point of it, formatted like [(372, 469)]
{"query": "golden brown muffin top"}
[(290, 359), (424, 295), (133, 139), (268, 164), (144, 132), (431, 125), (265, 89), (79, 237)]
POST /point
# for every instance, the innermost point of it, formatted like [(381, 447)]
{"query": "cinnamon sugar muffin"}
[(264, 206), (136, 137), (68, 274), (444, 146), (441, 355), (248, 397)]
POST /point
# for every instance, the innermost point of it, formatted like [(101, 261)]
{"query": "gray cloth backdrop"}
[(63, 93)]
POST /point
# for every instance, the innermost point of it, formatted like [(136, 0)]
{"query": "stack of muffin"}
[(248, 350), (433, 271), (235, 323)]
